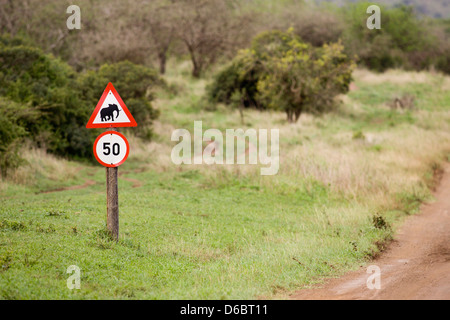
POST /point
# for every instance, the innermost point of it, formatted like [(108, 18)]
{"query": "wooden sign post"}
[(111, 149), (112, 202)]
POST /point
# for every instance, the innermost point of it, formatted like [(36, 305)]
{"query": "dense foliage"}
[(135, 83), (148, 32), (43, 98), (403, 41), (11, 133), (282, 72)]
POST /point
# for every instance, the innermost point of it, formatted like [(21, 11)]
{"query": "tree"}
[(13, 15), (203, 27), (114, 33), (158, 22), (305, 79), (281, 72), (318, 27), (237, 81), (403, 40)]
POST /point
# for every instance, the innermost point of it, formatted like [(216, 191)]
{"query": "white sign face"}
[(111, 111), (111, 149)]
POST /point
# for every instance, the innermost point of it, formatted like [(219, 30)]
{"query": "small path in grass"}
[(86, 184), (135, 184), (416, 265)]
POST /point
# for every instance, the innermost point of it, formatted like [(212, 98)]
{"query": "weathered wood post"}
[(112, 200)]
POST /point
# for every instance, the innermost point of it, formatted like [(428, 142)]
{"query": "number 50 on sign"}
[(111, 149)]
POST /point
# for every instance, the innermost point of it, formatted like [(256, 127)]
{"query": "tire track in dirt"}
[(416, 265)]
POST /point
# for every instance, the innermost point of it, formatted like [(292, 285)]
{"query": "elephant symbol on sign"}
[(107, 114)]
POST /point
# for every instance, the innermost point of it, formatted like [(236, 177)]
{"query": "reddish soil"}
[(136, 183), (416, 265), (82, 186)]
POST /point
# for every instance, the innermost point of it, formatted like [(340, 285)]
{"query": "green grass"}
[(177, 241), (209, 232)]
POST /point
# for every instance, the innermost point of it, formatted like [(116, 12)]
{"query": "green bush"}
[(240, 78), (134, 84), (51, 103), (301, 78), (281, 72), (236, 80), (7, 40), (40, 82), (11, 134), (404, 40)]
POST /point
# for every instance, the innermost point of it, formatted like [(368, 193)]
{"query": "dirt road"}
[(415, 266)]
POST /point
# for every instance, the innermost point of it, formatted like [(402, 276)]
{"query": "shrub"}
[(132, 81), (40, 82), (241, 76), (404, 40), (304, 79), (7, 40), (238, 79), (281, 72), (129, 79), (51, 103), (11, 133)]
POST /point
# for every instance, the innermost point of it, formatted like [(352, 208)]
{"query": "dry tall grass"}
[(374, 168), (39, 165)]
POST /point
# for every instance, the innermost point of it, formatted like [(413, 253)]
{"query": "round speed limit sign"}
[(111, 149)]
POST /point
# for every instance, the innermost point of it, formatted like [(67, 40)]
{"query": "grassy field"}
[(346, 181)]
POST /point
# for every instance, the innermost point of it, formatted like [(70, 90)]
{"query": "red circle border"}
[(106, 164)]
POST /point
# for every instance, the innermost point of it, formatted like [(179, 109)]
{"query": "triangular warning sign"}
[(111, 111)]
